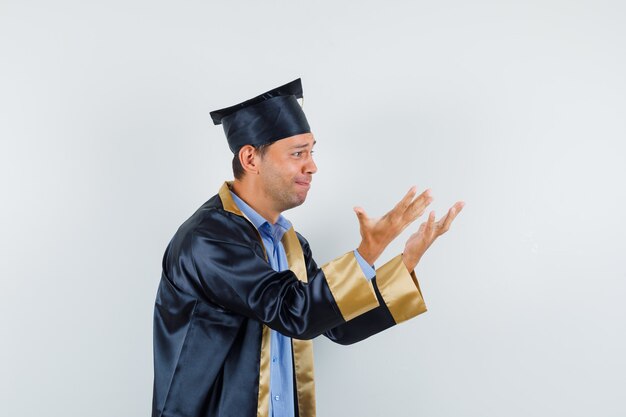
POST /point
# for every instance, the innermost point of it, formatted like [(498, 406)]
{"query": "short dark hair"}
[(238, 170)]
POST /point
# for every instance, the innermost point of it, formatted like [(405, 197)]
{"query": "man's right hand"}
[(377, 233)]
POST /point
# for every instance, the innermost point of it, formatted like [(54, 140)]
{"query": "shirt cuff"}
[(368, 270)]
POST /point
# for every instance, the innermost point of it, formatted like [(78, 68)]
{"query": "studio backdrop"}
[(517, 108)]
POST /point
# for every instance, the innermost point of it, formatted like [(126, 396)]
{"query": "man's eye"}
[(297, 153)]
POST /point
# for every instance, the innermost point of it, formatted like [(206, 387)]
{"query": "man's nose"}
[(310, 166)]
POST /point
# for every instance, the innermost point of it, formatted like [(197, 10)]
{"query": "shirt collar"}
[(277, 230)]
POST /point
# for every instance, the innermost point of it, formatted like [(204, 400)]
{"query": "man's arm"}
[(236, 277), (397, 292)]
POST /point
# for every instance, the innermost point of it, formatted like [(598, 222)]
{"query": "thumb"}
[(360, 213)]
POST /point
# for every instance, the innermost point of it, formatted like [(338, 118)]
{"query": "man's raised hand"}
[(428, 231), (377, 233)]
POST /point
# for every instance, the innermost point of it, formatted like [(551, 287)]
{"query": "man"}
[(241, 297)]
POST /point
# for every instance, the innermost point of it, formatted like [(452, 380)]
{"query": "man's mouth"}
[(306, 184)]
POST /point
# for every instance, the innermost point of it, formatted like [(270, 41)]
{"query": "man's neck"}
[(250, 193)]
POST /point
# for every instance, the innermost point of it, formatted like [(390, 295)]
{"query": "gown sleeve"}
[(235, 276), (397, 292)]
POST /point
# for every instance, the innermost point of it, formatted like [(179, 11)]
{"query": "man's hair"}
[(238, 170)]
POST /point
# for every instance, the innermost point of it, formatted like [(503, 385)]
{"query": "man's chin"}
[(296, 201)]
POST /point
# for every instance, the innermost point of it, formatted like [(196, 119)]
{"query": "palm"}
[(428, 231)]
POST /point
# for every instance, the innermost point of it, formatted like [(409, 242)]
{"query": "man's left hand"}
[(428, 231)]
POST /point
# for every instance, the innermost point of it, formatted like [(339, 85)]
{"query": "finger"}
[(406, 200), (430, 224), (360, 214), (443, 224), (450, 216), (418, 206)]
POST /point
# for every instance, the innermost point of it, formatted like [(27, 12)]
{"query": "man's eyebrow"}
[(304, 145)]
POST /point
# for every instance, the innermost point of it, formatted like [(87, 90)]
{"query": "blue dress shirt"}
[(281, 366)]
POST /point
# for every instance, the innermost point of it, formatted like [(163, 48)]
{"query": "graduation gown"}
[(218, 298)]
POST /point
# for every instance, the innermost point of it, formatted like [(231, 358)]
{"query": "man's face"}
[(286, 170)]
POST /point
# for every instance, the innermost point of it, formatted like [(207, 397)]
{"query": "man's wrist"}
[(368, 253), (409, 262)]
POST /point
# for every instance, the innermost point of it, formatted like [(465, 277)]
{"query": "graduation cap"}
[(266, 118)]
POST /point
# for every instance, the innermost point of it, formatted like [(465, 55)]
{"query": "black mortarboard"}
[(263, 119)]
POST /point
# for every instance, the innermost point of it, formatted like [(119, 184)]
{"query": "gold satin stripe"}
[(263, 403), (302, 349), (352, 291), (400, 290), (227, 200), (295, 256), (305, 376)]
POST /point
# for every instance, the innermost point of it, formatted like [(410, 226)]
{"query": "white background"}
[(516, 108)]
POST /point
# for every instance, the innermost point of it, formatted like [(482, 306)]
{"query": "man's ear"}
[(249, 159)]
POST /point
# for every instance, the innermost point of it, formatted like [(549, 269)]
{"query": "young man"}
[(241, 297)]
